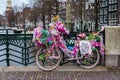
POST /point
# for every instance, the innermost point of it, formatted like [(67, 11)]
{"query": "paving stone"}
[(62, 75), (65, 72)]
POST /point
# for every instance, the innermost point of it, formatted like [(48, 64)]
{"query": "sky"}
[(3, 4)]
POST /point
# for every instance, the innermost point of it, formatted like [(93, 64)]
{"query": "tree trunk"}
[(43, 21), (96, 14), (35, 23), (80, 6)]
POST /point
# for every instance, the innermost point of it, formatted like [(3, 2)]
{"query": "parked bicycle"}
[(51, 45)]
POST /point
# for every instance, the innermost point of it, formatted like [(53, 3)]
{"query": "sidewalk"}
[(61, 75), (65, 72)]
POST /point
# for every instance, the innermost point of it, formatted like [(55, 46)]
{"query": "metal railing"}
[(18, 49)]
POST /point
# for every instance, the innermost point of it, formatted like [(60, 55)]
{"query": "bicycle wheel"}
[(89, 60), (48, 61)]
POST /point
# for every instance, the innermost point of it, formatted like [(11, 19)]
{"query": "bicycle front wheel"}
[(48, 61), (89, 60)]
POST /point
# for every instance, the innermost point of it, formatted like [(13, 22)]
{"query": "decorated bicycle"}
[(51, 44)]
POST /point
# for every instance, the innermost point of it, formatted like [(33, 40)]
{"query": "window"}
[(103, 4), (115, 15), (115, 7), (101, 11), (112, 15), (105, 10), (106, 3), (101, 19), (105, 18), (110, 8), (115, 1), (110, 1), (109, 16)]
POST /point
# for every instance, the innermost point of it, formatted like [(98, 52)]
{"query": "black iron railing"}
[(19, 48)]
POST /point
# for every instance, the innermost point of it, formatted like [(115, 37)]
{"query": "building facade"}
[(109, 12), (2, 21)]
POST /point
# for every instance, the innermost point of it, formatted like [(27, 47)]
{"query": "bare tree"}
[(46, 9), (34, 15), (79, 11), (32, 2), (40, 5), (24, 14), (16, 9), (78, 7)]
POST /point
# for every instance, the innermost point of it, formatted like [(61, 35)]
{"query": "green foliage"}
[(42, 56), (90, 37)]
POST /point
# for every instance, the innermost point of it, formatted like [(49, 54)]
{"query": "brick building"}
[(110, 12)]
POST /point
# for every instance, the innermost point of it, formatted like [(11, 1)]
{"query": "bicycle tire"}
[(86, 66), (45, 68)]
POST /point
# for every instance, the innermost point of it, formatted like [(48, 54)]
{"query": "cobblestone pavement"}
[(62, 75)]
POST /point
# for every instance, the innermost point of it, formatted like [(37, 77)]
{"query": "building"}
[(9, 13), (110, 12), (2, 21), (118, 12)]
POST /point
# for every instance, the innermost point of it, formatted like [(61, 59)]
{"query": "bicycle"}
[(49, 57)]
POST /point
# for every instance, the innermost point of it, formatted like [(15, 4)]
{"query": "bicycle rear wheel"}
[(48, 61), (89, 60)]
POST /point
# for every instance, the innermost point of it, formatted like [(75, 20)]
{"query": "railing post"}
[(23, 55), (25, 47), (7, 48)]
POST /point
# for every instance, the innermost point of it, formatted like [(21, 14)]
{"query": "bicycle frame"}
[(56, 45)]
